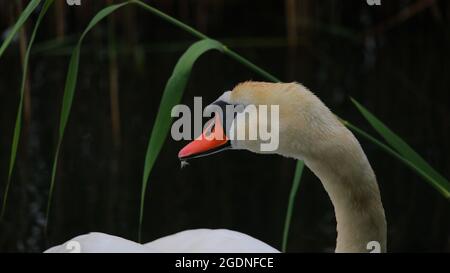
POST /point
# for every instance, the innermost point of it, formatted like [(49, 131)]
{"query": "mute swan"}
[(308, 130)]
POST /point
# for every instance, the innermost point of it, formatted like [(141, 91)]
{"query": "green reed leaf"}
[(69, 91), (417, 163), (22, 19), (18, 124), (295, 185), (172, 95)]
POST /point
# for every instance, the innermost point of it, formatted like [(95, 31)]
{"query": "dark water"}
[(400, 74)]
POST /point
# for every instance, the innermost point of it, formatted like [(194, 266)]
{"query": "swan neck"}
[(352, 187)]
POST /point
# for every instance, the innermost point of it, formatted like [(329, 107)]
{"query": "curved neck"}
[(351, 185)]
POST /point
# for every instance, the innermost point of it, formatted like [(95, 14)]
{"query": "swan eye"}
[(210, 131)]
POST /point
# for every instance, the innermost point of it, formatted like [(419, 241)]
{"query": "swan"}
[(308, 131)]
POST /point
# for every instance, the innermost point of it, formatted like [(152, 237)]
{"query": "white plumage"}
[(188, 241)]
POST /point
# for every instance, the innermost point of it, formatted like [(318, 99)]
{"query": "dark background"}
[(393, 58)]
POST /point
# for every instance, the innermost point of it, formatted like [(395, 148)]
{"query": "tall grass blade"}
[(18, 124), (22, 19), (432, 176), (172, 95), (69, 91), (295, 185)]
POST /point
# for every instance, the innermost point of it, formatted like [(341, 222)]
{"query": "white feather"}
[(188, 241)]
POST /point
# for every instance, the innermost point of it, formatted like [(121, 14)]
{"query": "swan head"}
[(262, 117)]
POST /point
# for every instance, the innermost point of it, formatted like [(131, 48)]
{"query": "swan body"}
[(188, 241), (309, 131)]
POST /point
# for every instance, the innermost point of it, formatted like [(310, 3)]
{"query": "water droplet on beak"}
[(184, 163)]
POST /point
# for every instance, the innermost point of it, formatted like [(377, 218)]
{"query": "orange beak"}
[(212, 140)]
